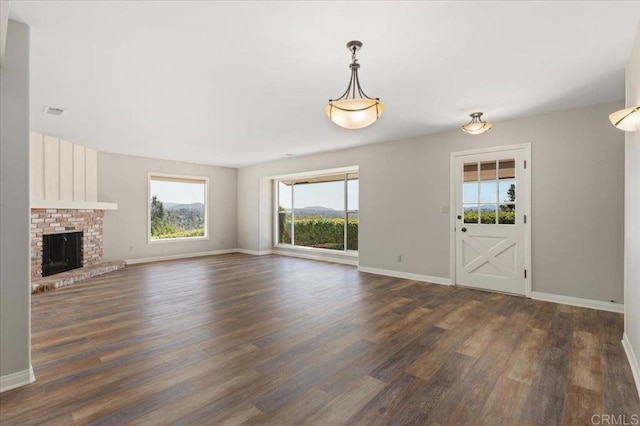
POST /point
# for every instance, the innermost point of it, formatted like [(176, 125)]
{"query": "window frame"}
[(168, 176), (346, 171)]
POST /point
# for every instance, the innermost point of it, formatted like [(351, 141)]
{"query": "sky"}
[(177, 192), (486, 191), (325, 194)]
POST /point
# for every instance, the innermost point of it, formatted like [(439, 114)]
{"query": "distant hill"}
[(199, 207), (183, 217), (483, 208), (317, 211)]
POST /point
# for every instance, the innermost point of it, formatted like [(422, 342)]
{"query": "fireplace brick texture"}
[(53, 221)]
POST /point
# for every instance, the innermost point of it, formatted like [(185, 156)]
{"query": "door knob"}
[(459, 217), (464, 229)]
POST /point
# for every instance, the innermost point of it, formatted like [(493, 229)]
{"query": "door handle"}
[(459, 217), (464, 229)]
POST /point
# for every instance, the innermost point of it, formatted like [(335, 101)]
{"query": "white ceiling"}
[(236, 83)]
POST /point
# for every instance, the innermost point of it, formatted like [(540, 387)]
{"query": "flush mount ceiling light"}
[(52, 110), (476, 126), (626, 119), (354, 109)]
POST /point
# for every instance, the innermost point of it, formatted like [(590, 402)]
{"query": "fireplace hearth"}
[(61, 252)]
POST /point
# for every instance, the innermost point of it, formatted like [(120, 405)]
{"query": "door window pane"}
[(507, 214), (470, 192), (507, 191), (488, 214), (471, 214), (488, 170), (470, 172), (488, 192), (507, 169)]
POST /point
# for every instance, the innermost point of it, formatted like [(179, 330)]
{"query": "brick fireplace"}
[(63, 180), (52, 221)]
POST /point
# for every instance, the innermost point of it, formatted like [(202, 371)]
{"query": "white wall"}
[(123, 179), (577, 206), (15, 321), (632, 218)]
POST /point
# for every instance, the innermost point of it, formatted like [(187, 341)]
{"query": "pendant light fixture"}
[(626, 119), (476, 126), (354, 109)]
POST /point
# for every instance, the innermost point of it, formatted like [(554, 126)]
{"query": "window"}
[(319, 211), (489, 192), (177, 207)]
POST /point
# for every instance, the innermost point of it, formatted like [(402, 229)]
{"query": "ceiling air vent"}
[(52, 110)]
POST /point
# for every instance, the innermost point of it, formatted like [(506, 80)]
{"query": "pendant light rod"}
[(354, 81)]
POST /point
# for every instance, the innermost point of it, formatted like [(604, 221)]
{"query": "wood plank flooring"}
[(238, 339)]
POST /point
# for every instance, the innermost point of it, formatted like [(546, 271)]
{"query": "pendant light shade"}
[(354, 113), (626, 119), (476, 126), (354, 109)]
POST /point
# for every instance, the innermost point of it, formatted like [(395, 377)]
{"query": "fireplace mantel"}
[(73, 205)]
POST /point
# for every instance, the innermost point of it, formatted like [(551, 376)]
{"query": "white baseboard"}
[(254, 252), (239, 250), (179, 256), (633, 361), (349, 261), (576, 301), (406, 275), (17, 379)]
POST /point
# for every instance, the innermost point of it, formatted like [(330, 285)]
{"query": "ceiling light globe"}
[(626, 119), (476, 128), (354, 113)]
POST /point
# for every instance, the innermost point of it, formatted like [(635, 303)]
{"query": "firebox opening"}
[(61, 252)]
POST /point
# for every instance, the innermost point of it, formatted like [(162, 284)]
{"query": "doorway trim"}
[(526, 147)]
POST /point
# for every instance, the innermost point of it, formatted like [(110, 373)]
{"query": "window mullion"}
[(346, 216), (293, 214)]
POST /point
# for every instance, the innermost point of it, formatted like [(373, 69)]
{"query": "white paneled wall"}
[(36, 167), (62, 171), (51, 168), (66, 171), (78, 172)]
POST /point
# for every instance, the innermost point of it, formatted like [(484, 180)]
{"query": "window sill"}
[(176, 240), (325, 255), (303, 249)]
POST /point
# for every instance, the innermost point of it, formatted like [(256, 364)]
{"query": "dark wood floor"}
[(240, 339)]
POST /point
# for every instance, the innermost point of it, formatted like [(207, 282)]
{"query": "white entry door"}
[(492, 202)]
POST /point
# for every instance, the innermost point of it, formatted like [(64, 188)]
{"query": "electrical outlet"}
[(131, 248), (444, 209), (399, 258)]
